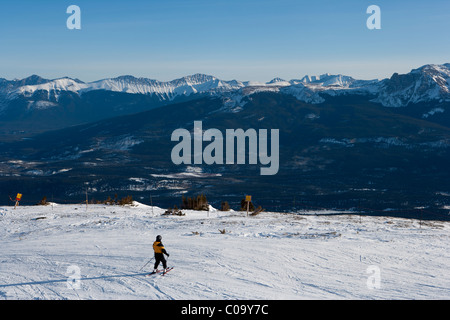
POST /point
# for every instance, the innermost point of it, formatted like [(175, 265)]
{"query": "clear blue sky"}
[(244, 39)]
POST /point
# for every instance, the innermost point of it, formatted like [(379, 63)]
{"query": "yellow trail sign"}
[(18, 197)]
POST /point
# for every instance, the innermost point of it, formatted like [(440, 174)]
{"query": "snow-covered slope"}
[(51, 87), (198, 83), (7, 88), (70, 252)]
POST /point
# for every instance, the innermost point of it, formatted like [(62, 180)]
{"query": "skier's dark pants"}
[(159, 257)]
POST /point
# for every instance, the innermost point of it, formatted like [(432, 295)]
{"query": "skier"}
[(160, 251)]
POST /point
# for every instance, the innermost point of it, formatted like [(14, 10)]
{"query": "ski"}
[(167, 270), (152, 273), (160, 272)]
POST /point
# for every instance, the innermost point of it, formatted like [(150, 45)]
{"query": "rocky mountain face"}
[(425, 84)]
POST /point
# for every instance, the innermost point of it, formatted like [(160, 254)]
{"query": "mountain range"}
[(71, 101), (429, 82), (382, 145)]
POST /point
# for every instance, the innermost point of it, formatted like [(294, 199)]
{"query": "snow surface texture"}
[(74, 252)]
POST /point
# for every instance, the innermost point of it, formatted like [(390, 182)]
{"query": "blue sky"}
[(245, 39)]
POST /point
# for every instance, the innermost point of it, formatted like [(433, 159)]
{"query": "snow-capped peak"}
[(197, 83), (429, 82), (327, 79), (52, 86), (278, 81)]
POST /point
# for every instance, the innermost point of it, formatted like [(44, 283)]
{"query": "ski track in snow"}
[(269, 256)]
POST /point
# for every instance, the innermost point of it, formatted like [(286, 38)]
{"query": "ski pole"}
[(146, 264), (167, 260)]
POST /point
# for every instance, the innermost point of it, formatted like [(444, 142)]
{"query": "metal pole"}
[(248, 205), (146, 264), (420, 223), (86, 199), (151, 203)]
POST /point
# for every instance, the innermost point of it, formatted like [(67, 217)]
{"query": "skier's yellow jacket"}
[(158, 247)]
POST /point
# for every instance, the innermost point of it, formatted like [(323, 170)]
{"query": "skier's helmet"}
[(158, 238)]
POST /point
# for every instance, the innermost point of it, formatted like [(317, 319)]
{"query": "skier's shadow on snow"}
[(69, 281)]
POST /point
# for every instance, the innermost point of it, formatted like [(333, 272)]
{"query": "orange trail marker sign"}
[(18, 197)]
